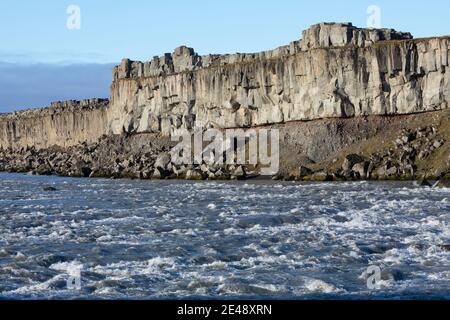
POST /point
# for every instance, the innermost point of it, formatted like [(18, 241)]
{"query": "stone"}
[(381, 172), (86, 172), (399, 142), (361, 169), (351, 160), (193, 175), (239, 173), (325, 35), (437, 144), (392, 171), (321, 176), (211, 176), (158, 174), (425, 183), (50, 189), (163, 161), (305, 171), (180, 171), (221, 174)]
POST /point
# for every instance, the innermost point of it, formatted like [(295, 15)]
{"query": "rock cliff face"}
[(336, 70), (63, 124)]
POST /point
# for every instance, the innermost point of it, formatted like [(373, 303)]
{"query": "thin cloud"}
[(37, 85)]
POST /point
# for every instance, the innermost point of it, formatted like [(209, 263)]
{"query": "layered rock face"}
[(336, 70), (63, 124)]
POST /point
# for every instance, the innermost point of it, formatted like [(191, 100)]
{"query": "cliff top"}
[(322, 35), (56, 107)]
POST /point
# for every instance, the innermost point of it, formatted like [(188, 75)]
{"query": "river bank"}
[(414, 147)]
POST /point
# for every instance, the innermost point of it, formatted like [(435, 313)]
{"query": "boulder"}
[(321, 176), (239, 173), (360, 170), (437, 144), (221, 174), (425, 183), (49, 189), (351, 160), (86, 172), (163, 161), (304, 171), (180, 171), (193, 175), (159, 174)]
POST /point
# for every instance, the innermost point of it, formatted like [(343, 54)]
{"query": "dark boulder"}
[(49, 189)]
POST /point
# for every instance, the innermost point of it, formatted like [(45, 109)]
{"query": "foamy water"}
[(157, 240)]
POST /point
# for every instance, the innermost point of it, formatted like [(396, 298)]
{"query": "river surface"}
[(123, 239)]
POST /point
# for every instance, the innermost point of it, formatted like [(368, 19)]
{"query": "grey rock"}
[(437, 144), (193, 175), (425, 183), (305, 171), (351, 160), (50, 189), (239, 173), (158, 174), (163, 161), (322, 176), (361, 169)]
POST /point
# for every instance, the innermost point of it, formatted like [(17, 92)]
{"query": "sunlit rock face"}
[(336, 70), (62, 124)]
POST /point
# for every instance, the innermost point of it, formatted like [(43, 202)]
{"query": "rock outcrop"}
[(63, 124), (411, 147), (350, 81), (336, 70)]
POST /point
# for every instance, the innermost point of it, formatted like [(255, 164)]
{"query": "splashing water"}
[(166, 240)]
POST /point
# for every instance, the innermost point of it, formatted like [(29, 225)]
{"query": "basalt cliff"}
[(350, 103), (335, 71)]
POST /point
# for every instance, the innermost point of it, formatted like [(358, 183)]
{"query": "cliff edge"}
[(336, 70)]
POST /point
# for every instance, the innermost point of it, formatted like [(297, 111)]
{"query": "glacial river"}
[(123, 239)]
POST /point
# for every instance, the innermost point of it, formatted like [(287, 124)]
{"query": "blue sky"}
[(34, 32)]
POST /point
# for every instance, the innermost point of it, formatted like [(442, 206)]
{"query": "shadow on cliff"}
[(36, 85)]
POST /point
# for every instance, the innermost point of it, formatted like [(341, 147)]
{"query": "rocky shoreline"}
[(147, 156), (397, 163)]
